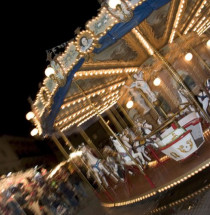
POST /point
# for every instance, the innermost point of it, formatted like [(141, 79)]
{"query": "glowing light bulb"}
[(30, 115), (113, 3), (49, 71), (34, 132), (129, 104), (76, 154), (208, 43), (188, 56), (157, 81)]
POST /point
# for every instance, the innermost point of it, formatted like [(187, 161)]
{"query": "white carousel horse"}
[(97, 166), (204, 100), (207, 84), (146, 129), (122, 152), (113, 162), (140, 83), (184, 101), (141, 149), (160, 120), (138, 156)]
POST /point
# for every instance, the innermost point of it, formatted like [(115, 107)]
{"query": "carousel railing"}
[(166, 123), (178, 138)]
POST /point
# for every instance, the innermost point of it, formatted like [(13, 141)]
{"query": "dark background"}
[(28, 30)]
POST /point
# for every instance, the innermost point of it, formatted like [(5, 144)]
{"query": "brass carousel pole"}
[(175, 75), (120, 119), (89, 141), (60, 147), (124, 123), (126, 114), (133, 124), (67, 141), (80, 173), (105, 125), (114, 121), (194, 52), (154, 154), (65, 154)]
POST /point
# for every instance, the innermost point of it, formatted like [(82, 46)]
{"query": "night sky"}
[(29, 29)]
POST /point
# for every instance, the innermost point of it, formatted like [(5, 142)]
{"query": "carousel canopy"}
[(95, 66)]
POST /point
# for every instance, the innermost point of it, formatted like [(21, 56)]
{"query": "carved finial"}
[(30, 101), (77, 30), (39, 85), (49, 56)]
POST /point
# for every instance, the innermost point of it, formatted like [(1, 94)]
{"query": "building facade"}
[(20, 153)]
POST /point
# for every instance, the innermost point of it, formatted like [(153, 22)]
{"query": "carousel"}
[(134, 87)]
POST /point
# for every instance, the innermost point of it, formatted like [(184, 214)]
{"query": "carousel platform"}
[(164, 175)]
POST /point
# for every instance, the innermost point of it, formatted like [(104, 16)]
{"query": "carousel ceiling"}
[(96, 65)]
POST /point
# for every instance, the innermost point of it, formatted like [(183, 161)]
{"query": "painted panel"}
[(119, 51), (100, 24), (158, 19), (50, 84), (69, 57)]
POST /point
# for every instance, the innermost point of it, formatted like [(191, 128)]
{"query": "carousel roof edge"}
[(47, 119), (140, 13), (103, 31)]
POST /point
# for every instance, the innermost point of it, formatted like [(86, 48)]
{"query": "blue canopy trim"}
[(119, 30), (48, 120), (140, 13)]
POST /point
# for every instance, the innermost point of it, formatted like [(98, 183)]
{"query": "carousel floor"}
[(162, 175)]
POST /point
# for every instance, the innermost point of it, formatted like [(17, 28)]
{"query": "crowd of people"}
[(42, 194)]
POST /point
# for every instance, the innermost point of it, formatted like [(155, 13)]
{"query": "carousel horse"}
[(138, 99), (141, 149), (126, 140), (113, 162), (184, 101), (140, 83), (160, 120), (146, 129), (204, 100), (137, 147), (96, 165), (124, 158), (123, 153), (131, 135), (207, 85)]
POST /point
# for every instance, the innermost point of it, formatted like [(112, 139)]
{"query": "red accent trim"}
[(108, 195), (149, 181), (170, 144), (154, 154), (173, 125), (193, 122)]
